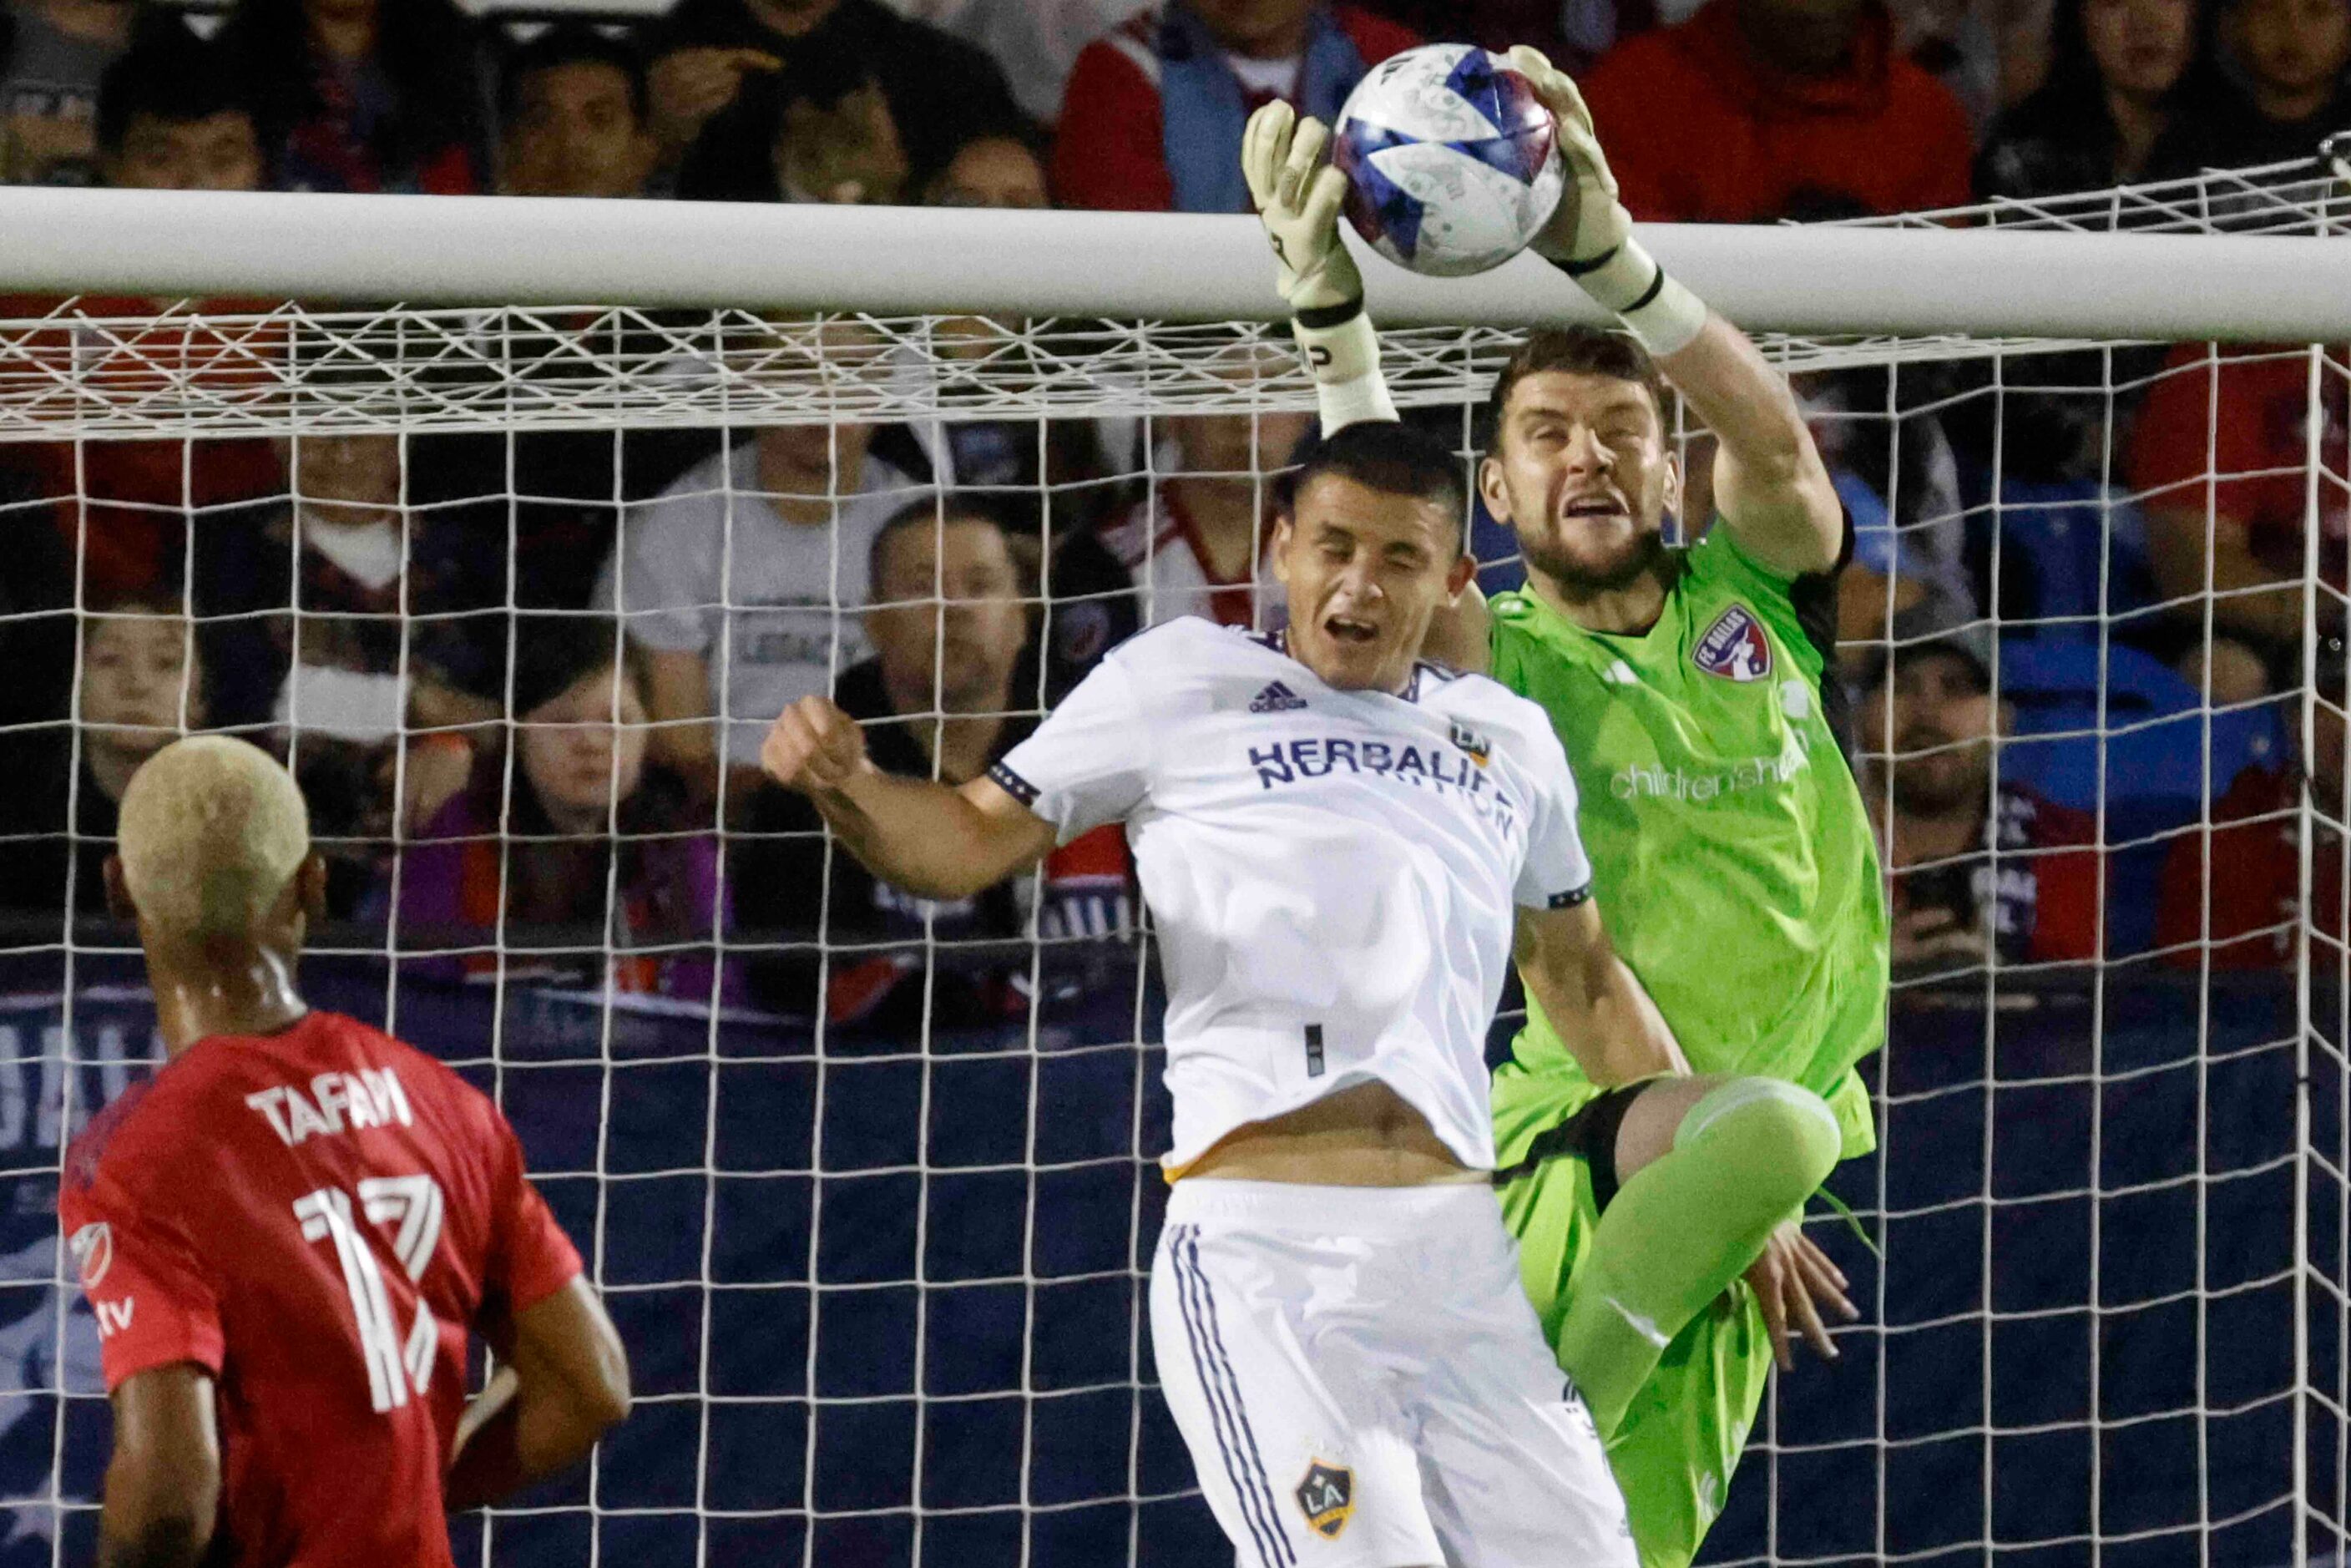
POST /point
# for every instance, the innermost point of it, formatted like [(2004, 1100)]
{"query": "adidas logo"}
[(1276, 698)]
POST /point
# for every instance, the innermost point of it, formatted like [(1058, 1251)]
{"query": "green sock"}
[(1687, 1224)]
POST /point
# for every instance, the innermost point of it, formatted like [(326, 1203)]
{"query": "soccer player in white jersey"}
[(1336, 839), (1693, 690)]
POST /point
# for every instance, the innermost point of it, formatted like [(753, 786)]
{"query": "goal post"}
[(873, 1202), (1994, 279)]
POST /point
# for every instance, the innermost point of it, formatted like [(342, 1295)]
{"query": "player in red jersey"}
[(287, 1235)]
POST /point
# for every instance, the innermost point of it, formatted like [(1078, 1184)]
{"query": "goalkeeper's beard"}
[(1578, 577)]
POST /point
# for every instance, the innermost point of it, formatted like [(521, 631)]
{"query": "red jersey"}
[(1161, 548), (2038, 900), (2255, 860), (2245, 420), (123, 505), (1699, 130), (316, 1218), (1111, 153)]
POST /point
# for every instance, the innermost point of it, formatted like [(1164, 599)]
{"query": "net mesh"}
[(869, 1181)]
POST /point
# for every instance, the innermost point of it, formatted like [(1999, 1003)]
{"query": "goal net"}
[(869, 1181)]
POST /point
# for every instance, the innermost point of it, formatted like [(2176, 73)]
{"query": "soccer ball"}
[(1452, 161)]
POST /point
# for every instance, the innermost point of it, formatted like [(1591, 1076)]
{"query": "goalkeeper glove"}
[(1589, 237), (1298, 197)]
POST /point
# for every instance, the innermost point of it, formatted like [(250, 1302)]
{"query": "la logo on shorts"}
[(1327, 1496), (1734, 647)]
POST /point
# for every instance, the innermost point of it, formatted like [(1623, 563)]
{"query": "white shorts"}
[(1362, 1383)]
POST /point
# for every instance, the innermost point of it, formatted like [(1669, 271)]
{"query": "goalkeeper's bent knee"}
[(1684, 1227), (1768, 1115)]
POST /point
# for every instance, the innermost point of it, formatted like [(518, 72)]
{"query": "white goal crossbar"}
[(1981, 281)]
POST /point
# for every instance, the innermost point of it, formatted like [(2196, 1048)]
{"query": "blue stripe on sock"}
[(1241, 1414), (1218, 1418)]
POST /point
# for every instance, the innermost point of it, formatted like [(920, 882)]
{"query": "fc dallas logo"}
[(1734, 647), (93, 1252)]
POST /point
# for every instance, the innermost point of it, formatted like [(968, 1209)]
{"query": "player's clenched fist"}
[(813, 747)]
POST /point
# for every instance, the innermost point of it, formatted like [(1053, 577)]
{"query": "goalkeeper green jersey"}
[(1733, 856)]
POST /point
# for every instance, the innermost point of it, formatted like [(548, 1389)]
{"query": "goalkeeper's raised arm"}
[(1299, 197), (1769, 486)]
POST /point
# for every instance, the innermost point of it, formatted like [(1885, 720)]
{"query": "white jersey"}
[(775, 608), (1155, 540), (1332, 875)]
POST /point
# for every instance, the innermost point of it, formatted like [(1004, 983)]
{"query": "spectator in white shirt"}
[(1193, 544), (744, 582)]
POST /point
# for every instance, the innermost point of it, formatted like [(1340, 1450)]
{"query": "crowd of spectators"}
[(541, 664), (1744, 109)]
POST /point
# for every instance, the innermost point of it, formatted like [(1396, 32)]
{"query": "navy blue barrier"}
[(764, 1209), (2041, 1155)]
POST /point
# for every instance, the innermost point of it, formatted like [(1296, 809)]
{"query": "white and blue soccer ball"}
[(1452, 161)]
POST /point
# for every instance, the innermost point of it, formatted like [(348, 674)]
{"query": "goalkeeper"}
[(1665, 1260)]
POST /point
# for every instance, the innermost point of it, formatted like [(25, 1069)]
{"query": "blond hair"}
[(212, 831)]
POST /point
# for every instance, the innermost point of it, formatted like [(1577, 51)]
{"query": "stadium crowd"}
[(1753, 109), (542, 665)]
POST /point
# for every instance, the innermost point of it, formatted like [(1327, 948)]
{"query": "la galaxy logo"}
[(1734, 647), (1327, 1496), (1479, 748)]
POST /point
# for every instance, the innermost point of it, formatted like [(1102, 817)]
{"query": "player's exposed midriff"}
[(1363, 1135)]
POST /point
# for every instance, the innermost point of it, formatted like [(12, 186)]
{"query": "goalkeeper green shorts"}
[(1682, 1435)]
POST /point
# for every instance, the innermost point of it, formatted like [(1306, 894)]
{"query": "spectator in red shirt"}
[(171, 115), (365, 95), (2253, 859), (1152, 116), (1758, 109), (1979, 873), (2241, 423), (1192, 545), (289, 1236)]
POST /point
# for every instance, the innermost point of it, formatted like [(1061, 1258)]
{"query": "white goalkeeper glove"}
[(1298, 197), (1589, 237)]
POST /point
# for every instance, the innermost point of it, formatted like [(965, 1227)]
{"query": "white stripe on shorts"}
[(1236, 1443)]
